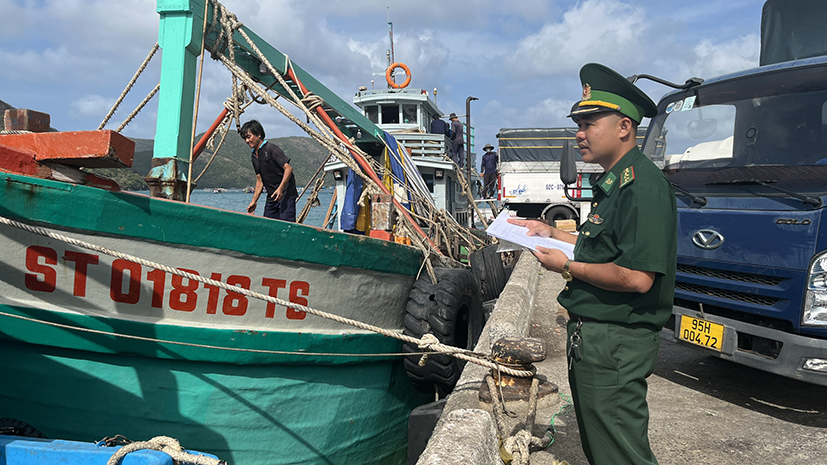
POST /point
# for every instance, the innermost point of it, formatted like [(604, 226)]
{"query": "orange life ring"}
[(389, 75)]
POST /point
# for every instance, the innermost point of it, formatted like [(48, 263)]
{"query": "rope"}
[(312, 101), (517, 445), (139, 108), (207, 346), (425, 343), (167, 445), (224, 130), (312, 201), (228, 25), (197, 104), (128, 87), (16, 131)]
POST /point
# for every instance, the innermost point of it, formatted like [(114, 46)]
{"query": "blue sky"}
[(72, 58)]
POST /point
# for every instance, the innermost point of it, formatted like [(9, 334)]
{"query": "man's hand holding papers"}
[(550, 245)]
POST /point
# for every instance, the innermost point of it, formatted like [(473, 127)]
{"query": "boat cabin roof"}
[(394, 109)]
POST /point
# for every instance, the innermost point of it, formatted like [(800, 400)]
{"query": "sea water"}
[(237, 200)]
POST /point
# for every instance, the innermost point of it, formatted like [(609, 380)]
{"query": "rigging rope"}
[(129, 87), (139, 108)]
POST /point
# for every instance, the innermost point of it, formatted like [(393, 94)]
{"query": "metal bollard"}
[(520, 354)]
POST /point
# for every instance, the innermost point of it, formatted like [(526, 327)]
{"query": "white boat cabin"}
[(406, 114)]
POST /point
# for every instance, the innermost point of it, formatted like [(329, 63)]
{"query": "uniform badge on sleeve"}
[(595, 218), (627, 176)]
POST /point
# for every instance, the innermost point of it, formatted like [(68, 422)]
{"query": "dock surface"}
[(702, 409)]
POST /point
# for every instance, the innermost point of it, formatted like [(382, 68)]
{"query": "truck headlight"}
[(815, 301)]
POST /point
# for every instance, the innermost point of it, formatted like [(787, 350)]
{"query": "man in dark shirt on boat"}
[(456, 139), (489, 171), (439, 127), (273, 173)]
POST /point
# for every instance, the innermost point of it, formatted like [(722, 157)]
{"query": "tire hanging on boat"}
[(452, 311), (15, 427), (491, 274)]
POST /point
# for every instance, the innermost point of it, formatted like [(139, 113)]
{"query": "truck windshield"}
[(770, 127)]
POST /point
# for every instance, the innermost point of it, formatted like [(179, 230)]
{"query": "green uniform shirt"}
[(633, 224)]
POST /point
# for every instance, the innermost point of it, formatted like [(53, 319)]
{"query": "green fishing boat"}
[(122, 313)]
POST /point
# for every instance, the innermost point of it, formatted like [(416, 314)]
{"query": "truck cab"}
[(747, 155)]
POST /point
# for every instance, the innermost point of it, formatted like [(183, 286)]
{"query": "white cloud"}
[(91, 106), (721, 58), (520, 59), (604, 31), (14, 20)]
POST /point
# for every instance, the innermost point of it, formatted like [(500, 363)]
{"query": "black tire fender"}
[(492, 275), (14, 427), (452, 311)]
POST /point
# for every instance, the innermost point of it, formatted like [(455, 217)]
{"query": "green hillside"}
[(231, 167)]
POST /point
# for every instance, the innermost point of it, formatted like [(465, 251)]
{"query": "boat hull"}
[(95, 345)]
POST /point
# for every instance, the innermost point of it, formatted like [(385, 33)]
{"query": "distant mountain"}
[(230, 168)]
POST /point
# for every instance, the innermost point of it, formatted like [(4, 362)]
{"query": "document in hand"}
[(506, 231)]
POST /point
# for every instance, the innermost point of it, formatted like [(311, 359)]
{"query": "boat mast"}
[(389, 51), (179, 36)]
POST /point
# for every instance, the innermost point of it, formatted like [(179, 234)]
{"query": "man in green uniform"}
[(620, 284)]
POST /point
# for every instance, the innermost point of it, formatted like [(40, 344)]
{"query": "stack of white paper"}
[(506, 231)]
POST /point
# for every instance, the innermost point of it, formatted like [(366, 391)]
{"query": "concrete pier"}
[(526, 305)]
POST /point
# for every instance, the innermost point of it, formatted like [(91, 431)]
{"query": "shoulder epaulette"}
[(627, 176)]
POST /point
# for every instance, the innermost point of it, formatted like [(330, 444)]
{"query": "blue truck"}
[(747, 156)]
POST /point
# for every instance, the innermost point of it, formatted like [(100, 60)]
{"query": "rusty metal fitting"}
[(521, 354)]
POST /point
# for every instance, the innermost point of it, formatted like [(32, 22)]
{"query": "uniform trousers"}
[(608, 386)]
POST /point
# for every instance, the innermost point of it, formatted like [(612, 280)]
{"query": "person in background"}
[(440, 127), (489, 171), (273, 174), (456, 140), (621, 282)]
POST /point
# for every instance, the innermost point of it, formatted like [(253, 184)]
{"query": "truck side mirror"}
[(568, 167)]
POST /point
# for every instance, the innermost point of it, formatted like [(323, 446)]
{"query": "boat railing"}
[(423, 144)]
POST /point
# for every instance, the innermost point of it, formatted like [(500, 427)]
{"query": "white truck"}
[(529, 173)]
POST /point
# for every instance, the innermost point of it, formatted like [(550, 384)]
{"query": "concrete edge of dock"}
[(466, 433)]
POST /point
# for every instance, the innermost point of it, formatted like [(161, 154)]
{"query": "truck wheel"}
[(558, 213), (452, 311)]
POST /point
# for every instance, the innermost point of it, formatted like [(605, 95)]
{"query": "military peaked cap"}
[(605, 90)]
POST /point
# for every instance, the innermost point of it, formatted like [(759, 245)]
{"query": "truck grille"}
[(730, 275), (726, 294)]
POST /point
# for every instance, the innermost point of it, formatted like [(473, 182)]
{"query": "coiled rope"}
[(517, 445), (167, 445), (427, 342)]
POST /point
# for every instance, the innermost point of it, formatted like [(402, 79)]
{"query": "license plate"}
[(701, 332)]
